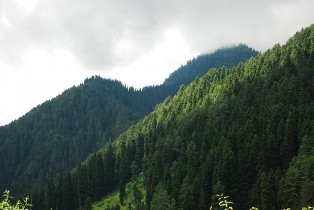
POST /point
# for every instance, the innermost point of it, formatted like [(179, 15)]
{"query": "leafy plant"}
[(5, 204), (308, 208), (225, 203)]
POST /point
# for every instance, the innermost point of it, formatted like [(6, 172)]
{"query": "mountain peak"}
[(197, 67)]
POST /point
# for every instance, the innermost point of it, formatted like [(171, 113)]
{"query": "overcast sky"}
[(47, 46)]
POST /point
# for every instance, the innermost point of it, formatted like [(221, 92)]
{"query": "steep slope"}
[(60, 133), (246, 131), (238, 131)]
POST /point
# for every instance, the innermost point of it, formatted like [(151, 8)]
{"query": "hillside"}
[(246, 131), (199, 66), (61, 132)]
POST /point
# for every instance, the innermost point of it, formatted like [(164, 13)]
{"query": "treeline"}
[(246, 131), (60, 133), (199, 66)]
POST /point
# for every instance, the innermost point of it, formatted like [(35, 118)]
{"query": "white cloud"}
[(94, 30), (156, 64), (28, 5), (44, 75)]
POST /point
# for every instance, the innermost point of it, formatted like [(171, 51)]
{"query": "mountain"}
[(245, 131), (61, 132), (199, 66)]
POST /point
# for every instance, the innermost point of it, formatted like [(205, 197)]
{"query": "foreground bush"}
[(225, 204), (5, 204)]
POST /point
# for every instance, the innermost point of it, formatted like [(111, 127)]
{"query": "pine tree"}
[(161, 199), (123, 170), (67, 192), (290, 145), (109, 164), (82, 185), (267, 196), (99, 177)]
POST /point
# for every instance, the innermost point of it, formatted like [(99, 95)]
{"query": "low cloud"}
[(104, 34)]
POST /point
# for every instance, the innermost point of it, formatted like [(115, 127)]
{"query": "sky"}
[(48, 46)]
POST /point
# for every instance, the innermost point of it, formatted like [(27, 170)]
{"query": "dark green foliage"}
[(88, 204), (124, 171), (199, 66), (268, 198), (109, 170), (99, 177), (161, 199), (67, 192), (296, 187), (82, 185)]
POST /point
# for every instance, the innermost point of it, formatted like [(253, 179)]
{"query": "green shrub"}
[(225, 204), (5, 204)]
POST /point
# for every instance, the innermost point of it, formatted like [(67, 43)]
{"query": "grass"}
[(113, 199)]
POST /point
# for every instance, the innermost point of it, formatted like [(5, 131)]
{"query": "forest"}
[(245, 131), (60, 133)]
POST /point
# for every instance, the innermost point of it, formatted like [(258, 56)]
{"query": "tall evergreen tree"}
[(82, 185), (99, 177), (67, 192), (109, 169)]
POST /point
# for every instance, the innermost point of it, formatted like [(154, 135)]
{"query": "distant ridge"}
[(198, 67)]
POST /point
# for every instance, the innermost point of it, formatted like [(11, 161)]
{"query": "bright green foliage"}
[(6, 204), (225, 204), (134, 195)]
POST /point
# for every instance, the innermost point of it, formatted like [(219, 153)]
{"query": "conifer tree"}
[(99, 177), (67, 192), (82, 185)]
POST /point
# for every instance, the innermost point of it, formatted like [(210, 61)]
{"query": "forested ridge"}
[(199, 66), (61, 132), (246, 131)]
